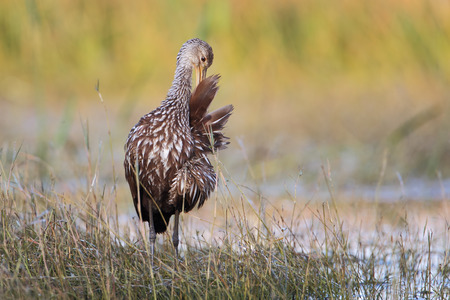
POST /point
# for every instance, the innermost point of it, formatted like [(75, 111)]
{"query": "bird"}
[(166, 163)]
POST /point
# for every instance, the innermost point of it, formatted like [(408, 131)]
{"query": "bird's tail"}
[(207, 127)]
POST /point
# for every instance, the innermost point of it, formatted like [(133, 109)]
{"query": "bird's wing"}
[(206, 127), (202, 98), (218, 118)]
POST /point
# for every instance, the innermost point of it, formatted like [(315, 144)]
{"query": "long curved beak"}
[(200, 74)]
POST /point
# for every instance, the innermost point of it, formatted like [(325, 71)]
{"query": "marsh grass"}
[(76, 245)]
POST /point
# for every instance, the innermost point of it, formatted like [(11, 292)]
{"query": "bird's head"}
[(197, 54)]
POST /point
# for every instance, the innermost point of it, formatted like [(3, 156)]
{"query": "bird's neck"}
[(181, 85)]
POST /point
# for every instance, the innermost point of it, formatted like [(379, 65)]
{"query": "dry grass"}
[(77, 244)]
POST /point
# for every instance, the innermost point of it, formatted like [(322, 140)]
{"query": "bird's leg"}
[(152, 235), (175, 239)]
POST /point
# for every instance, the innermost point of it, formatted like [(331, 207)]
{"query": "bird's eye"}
[(203, 59)]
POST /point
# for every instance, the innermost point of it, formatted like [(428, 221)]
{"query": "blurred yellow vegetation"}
[(347, 73), (68, 45)]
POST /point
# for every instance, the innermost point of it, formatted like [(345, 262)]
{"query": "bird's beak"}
[(200, 74)]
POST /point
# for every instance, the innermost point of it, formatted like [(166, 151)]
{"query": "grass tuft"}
[(74, 246)]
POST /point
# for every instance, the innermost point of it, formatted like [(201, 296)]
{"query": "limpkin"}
[(166, 162)]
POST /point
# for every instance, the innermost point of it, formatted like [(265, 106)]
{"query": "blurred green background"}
[(361, 87)]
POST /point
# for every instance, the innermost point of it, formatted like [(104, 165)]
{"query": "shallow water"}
[(409, 234), (415, 189)]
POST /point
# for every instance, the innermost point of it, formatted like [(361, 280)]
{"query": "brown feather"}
[(206, 126), (202, 98), (218, 118)]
